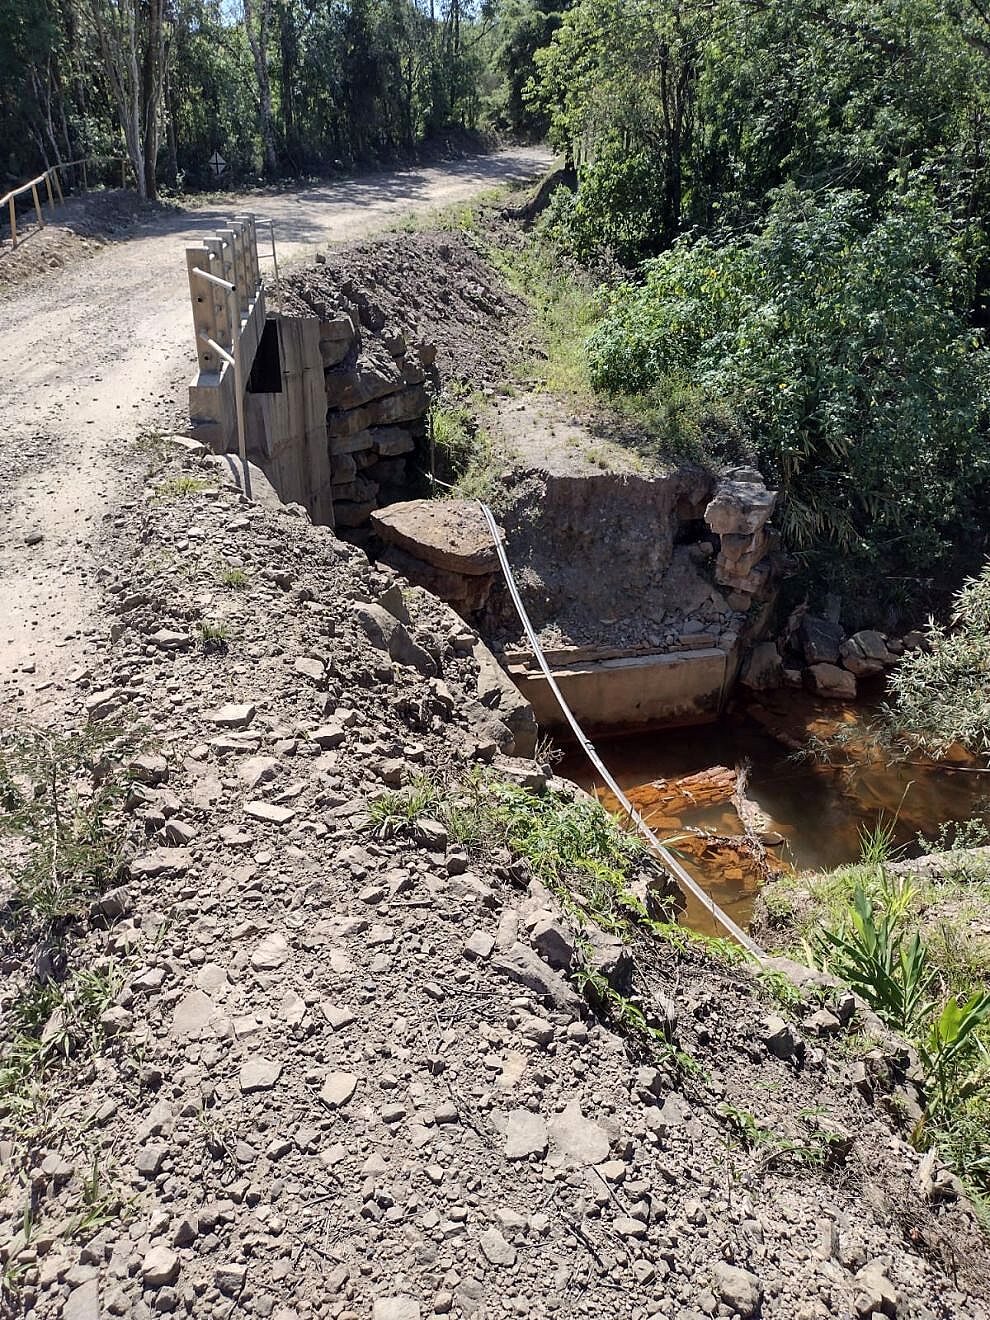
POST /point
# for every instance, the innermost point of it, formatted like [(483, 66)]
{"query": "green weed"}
[(780, 988), (180, 487), (816, 1148), (57, 796), (236, 578), (214, 638)]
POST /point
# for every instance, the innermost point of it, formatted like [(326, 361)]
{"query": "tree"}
[(940, 694), (257, 29), (131, 37), (841, 342)]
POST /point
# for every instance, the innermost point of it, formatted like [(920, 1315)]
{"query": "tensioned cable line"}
[(684, 879)]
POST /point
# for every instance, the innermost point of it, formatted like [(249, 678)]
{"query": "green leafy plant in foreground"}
[(877, 958), (876, 952)]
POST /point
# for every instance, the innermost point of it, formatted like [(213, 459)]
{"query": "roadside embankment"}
[(370, 1020)]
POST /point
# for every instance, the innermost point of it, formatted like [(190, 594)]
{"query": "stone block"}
[(830, 681), (739, 508), (349, 514)]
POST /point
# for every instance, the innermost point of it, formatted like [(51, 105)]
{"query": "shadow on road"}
[(298, 212)]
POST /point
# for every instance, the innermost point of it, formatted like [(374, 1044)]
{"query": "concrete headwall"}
[(634, 692)]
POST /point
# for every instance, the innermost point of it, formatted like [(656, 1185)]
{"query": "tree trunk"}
[(258, 41)]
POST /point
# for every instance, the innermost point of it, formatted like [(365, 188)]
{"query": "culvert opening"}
[(266, 372)]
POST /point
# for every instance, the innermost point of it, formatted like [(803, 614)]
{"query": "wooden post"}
[(51, 199), (251, 254), (58, 185), (13, 222), (218, 266), (123, 172), (233, 234), (37, 205), (85, 183), (205, 298), (239, 400)]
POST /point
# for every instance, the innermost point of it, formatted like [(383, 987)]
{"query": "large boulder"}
[(449, 534), (865, 653), (498, 693), (830, 681), (763, 669), (820, 640)]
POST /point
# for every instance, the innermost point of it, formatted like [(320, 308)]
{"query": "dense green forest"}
[(279, 87), (799, 193)]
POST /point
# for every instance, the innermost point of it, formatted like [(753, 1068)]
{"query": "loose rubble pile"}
[(349, 1076), (816, 653), (432, 285)]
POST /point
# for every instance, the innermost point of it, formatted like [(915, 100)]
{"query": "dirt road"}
[(98, 354)]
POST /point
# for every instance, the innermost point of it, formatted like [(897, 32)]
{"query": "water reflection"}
[(818, 809)]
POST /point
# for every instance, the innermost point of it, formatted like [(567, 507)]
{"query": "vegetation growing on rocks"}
[(910, 939)]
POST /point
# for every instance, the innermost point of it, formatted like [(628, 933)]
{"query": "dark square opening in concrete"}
[(266, 371)]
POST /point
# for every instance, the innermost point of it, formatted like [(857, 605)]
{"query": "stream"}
[(673, 777)]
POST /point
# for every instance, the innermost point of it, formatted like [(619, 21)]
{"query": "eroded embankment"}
[(347, 1058)]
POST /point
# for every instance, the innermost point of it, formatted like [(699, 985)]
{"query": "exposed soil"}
[(597, 561), (339, 1079), (74, 231), (433, 286)]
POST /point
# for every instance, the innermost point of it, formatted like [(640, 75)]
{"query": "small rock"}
[(258, 1074), (83, 1303), (230, 1279), (781, 1039), (830, 681), (876, 1295), (397, 1308), (479, 946), (738, 1289), (525, 1135), (497, 1250), (272, 952), (160, 1267), (576, 1140), (268, 812), (337, 1089), (553, 943), (232, 716)]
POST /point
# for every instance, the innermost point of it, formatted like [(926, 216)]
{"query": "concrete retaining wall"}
[(635, 692)]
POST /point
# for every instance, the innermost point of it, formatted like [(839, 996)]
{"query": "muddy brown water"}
[(820, 810)]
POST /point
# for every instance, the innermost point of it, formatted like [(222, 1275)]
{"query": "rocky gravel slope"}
[(350, 1074)]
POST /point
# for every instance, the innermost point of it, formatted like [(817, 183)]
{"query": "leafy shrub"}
[(942, 696), (835, 338), (618, 207)]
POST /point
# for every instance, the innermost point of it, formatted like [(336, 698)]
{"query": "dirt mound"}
[(78, 229), (434, 285)]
